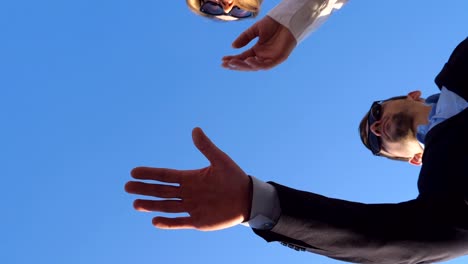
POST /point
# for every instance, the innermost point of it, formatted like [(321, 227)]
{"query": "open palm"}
[(215, 197), (275, 43)]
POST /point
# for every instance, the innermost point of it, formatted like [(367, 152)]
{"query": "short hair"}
[(363, 131), (249, 5)]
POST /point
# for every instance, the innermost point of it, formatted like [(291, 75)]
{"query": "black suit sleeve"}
[(431, 228), (454, 74), (416, 231)]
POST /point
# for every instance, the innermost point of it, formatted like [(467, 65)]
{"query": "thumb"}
[(246, 37), (206, 147)]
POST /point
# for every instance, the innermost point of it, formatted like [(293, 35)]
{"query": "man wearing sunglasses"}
[(225, 10), (396, 128), (432, 227)]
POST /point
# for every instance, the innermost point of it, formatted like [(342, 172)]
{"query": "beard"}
[(403, 127)]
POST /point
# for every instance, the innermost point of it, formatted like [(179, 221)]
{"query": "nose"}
[(227, 5), (376, 129)]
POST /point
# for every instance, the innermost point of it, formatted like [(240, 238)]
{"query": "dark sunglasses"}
[(216, 9), (375, 114)]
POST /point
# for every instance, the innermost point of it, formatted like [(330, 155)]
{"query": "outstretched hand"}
[(275, 43), (215, 197)]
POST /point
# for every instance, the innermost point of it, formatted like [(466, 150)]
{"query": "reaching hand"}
[(215, 197), (275, 43)]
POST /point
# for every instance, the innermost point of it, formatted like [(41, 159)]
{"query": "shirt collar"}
[(423, 129)]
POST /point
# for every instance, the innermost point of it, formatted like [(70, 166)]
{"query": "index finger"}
[(158, 174)]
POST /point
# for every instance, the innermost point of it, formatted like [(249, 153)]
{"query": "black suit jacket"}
[(433, 227)]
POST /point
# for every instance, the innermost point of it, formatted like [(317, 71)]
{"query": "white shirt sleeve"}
[(265, 210), (302, 17)]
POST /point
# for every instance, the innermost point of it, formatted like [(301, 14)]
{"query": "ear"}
[(416, 159), (415, 95)]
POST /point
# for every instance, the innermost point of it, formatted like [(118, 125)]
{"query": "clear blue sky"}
[(91, 89)]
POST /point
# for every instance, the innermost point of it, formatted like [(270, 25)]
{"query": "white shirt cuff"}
[(302, 17), (266, 209)]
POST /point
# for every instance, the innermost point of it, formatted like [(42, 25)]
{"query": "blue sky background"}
[(91, 89)]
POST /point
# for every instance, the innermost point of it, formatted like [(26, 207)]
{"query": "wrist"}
[(248, 201)]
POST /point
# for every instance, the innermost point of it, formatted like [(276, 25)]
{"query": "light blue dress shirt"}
[(444, 105)]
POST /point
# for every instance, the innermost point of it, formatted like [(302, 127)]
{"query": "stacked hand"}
[(275, 43), (215, 197)]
